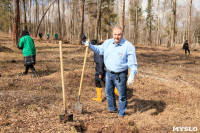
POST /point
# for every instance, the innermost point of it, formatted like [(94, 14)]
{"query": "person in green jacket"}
[(48, 36), (56, 36), (27, 45)]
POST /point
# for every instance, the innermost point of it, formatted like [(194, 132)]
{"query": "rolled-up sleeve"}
[(97, 49)]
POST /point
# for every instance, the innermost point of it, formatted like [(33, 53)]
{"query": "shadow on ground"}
[(145, 105)]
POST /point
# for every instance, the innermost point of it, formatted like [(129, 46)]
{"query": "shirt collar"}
[(120, 43)]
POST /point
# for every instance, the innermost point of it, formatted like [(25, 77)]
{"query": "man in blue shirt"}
[(119, 55)]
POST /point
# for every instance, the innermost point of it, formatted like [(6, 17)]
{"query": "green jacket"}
[(28, 46), (56, 35)]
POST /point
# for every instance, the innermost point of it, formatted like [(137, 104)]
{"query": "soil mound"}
[(5, 49)]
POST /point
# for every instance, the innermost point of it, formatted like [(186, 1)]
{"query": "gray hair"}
[(118, 28)]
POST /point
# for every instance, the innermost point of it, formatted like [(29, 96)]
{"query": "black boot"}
[(33, 70), (26, 70)]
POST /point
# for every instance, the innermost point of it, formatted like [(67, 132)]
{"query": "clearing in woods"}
[(166, 92)]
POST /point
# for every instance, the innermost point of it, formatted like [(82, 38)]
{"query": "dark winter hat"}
[(93, 41), (24, 33), (83, 37)]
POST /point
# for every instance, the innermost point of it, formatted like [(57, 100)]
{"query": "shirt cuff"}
[(132, 75)]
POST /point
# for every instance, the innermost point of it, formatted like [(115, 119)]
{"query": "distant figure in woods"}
[(83, 37), (186, 47), (27, 45), (48, 36), (99, 73), (56, 36), (40, 35)]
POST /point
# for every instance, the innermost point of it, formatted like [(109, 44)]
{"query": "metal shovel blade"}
[(78, 107), (66, 117)]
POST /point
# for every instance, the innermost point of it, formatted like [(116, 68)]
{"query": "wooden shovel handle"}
[(62, 73), (79, 93)]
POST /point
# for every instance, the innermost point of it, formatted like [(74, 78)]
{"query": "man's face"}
[(117, 35)]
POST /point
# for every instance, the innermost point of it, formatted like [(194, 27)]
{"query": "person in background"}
[(40, 35), (186, 47), (27, 45), (119, 55), (83, 37), (48, 36), (56, 36), (100, 71)]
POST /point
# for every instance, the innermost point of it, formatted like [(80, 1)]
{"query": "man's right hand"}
[(87, 43)]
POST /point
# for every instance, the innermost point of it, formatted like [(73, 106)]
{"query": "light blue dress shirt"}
[(118, 58)]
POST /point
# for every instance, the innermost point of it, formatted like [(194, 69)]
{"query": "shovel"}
[(64, 117), (78, 105)]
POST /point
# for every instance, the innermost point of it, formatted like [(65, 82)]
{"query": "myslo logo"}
[(179, 129)]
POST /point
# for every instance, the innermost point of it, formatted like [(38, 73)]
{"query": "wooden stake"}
[(62, 74)]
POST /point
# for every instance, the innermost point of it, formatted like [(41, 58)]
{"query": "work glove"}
[(87, 43), (130, 81)]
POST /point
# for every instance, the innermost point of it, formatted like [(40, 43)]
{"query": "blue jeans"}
[(119, 81)]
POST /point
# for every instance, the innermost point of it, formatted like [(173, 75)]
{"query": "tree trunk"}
[(123, 14), (150, 27), (63, 18), (98, 20), (30, 3), (59, 19), (38, 26), (82, 20), (16, 24), (25, 24), (189, 22), (136, 23), (129, 28), (158, 25), (36, 14), (174, 22)]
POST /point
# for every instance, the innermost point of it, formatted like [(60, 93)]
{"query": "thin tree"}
[(25, 23), (59, 20), (158, 23), (123, 15), (149, 20), (174, 22), (189, 22), (82, 20), (30, 3), (98, 19), (136, 17), (16, 23), (36, 13), (38, 26)]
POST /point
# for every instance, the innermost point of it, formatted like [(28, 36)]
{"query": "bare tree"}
[(149, 19), (98, 19), (36, 13), (24, 6), (16, 23), (30, 3), (174, 22), (189, 22), (82, 20), (123, 14), (158, 23), (38, 26), (59, 20)]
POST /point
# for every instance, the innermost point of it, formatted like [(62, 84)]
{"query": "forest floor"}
[(165, 94)]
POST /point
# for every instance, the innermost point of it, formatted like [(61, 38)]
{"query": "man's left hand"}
[(130, 81)]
